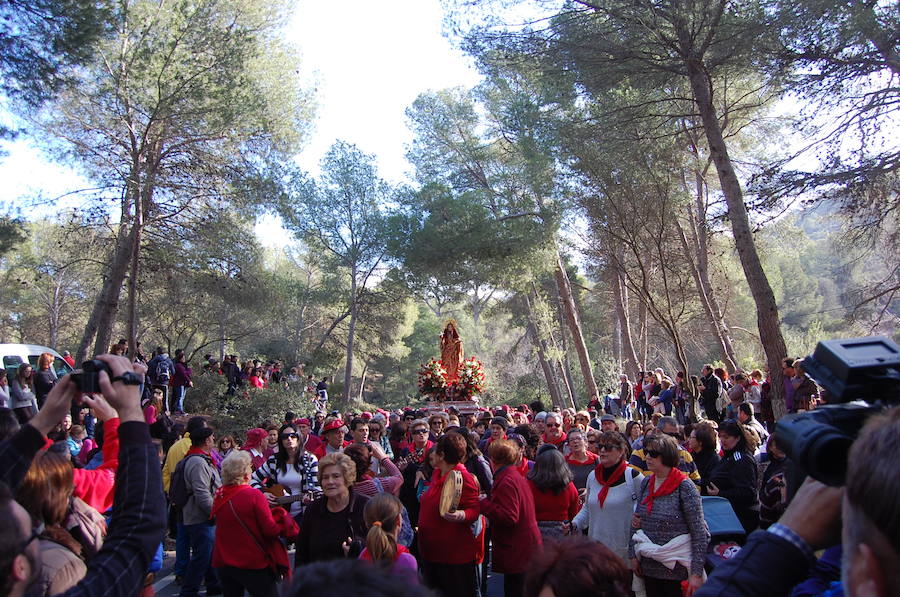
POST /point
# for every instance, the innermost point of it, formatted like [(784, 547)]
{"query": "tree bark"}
[(716, 321), (571, 312), (620, 306), (354, 310), (106, 306), (565, 365), (541, 346), (766, 307)]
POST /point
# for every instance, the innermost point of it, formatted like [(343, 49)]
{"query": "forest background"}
[(631, 186)]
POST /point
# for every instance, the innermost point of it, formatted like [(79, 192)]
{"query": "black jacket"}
[(322, 532), (735, 476), (712, 386)]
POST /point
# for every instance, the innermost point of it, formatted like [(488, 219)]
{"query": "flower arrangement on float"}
[(471, 378), (432, 378)]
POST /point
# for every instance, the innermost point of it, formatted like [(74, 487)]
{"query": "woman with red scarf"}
[(610, 496), (668, 524), (409, 462), (247, 553), (448, 548), (580, 461)]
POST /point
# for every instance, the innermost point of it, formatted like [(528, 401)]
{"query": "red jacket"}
[(234, 546), (98, 486), (510, 508), (549, 506), (440, 540)]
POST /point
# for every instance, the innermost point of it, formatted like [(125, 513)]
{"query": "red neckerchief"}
[(523, 468), (591, 459), (419, 455), (365, 555), (560, 440), (617, 474), (195, 450), (669, 485)]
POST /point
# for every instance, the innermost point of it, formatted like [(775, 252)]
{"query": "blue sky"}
[(367, 60)]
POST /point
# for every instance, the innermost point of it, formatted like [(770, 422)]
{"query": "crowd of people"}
[(555, 501)]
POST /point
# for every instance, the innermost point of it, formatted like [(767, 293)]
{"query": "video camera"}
[(861, 377), (87, 378)]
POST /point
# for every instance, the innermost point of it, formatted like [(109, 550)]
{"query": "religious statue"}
[(451, 351)]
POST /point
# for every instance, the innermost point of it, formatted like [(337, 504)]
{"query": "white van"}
[(13, 355)]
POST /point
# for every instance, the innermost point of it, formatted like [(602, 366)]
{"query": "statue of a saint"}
[(451, 351)]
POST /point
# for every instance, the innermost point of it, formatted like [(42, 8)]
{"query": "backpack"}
[(161, 373), (179, 491)]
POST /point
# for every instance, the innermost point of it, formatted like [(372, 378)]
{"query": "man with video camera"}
[(857, 508), (138, 514)]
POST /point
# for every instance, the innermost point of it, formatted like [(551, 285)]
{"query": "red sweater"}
[(510, 510), (548, 506), (98, 486), (233, 545), (440, 540)]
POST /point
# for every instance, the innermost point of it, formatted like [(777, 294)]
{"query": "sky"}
[(367, 61)]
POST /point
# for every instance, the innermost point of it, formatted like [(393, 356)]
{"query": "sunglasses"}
[(607, 447), (436, 423), (290, 436), (653, 453), (420, 431)]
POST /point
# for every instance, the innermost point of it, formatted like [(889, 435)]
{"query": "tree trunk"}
[(571, 312), (55, 309), (566, 382), (642, 334), (766, 308), (705, 293), (348, 368), (362, 383), (565, 365), (541, 346), (107, 303), (620, 305)]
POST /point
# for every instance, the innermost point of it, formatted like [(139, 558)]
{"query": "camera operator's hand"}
[(100, 406), (58, 403), (815, 514), (126, 399)]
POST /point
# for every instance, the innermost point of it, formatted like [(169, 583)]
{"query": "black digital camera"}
[(87, 378), (861, 377)]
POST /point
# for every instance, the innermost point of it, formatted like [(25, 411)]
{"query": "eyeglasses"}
[(35, 533), (420, 431), (290, 436), (436, 423), (592, 441), (653, 453)]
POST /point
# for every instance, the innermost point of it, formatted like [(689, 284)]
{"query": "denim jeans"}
[(201, 537), (178, 393), (182, 548)]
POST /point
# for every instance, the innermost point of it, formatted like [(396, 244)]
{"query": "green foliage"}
[(41, 39)]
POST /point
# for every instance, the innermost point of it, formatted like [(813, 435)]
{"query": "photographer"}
[(138, 516), (775, 560)]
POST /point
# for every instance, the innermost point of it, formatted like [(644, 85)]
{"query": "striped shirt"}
[(686, 464), (308, 468)]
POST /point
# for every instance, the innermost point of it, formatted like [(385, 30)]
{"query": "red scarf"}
[(617, 474), (523, 468), (591, 459), (669, 485)]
